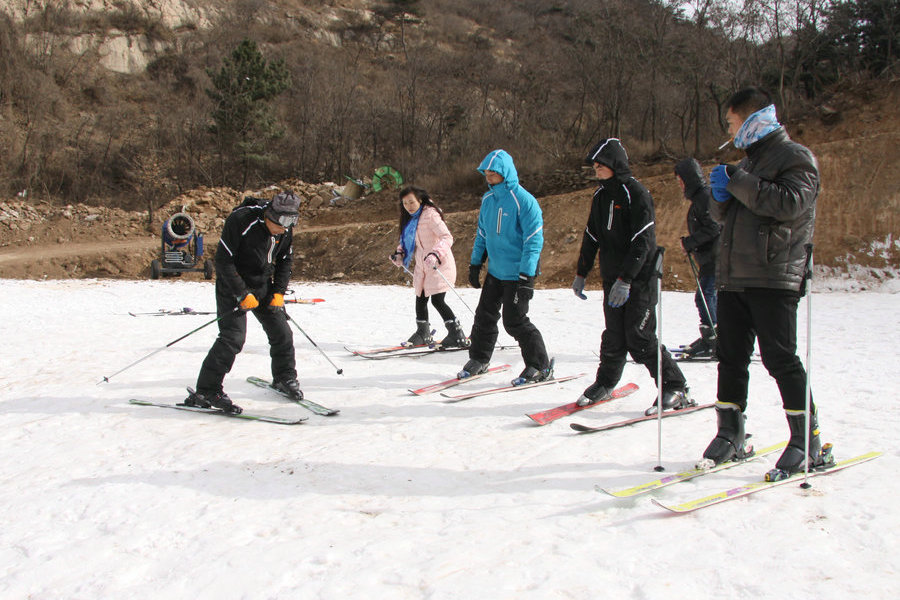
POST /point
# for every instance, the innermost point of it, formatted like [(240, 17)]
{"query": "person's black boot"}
[(532, 375), (729, 441), (472, 367), (672, 399), (218, 399), (792, 459), (289, 387), (422, 336), (596, 392), (456, 337), (711, 338)]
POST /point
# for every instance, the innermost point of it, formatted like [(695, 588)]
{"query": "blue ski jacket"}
[(510, 224)]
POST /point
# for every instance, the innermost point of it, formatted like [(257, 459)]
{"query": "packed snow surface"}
[(410, 497)]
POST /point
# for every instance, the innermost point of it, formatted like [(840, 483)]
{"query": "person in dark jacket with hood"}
[(510, 236), (703, 242), (767, 206), (253, 269), (621, 228)]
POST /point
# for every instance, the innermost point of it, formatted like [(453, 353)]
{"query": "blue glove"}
[(619, 293), (578, 287), (718, 182)]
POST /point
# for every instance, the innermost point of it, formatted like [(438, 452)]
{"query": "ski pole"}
[(172, 343), (659, 408), (291, 319), (806, 287), (436, 270), (408, 272), (700, 289)]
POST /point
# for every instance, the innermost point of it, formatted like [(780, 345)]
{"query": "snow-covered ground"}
[(409, 497)]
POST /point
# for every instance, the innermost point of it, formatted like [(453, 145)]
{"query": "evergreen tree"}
[(243, 121)]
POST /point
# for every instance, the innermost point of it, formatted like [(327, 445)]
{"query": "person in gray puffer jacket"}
[(767, 206)]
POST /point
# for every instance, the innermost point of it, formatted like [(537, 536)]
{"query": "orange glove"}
[(277, 301), (248, 302)]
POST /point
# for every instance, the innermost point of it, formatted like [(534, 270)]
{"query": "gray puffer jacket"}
[(770, 218)]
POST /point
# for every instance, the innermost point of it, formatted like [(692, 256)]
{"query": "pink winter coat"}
[(432, 235)]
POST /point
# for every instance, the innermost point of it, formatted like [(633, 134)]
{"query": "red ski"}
[(548, 416), (436, 387)]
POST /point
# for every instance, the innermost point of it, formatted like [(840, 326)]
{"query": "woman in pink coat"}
[(424, 235)]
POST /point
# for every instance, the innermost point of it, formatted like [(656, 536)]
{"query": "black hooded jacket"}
[(703, 231), (621, 224), (249, 258)]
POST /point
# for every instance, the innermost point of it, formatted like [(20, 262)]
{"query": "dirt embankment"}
[(854, 138)]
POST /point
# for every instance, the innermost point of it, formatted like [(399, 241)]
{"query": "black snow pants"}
[(770, 317), (233, 333), (497, 295), (631, 328)]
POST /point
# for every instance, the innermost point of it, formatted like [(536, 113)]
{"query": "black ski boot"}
[(532, 375), (473, 367), (422, 336), (702, 347), (456, 337), (290, 387), (596, 392), (730, 439), (792, 459), (219, 400), (673, 399)]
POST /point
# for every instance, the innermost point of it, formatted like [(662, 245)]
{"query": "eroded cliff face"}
[(173, 14), (126, 35), (123, 35)]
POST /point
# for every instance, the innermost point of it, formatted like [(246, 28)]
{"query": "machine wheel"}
[(208, 270), (155, 269)]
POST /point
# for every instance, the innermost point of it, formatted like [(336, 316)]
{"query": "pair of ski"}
[(187, 310), (732, 493), (307, 404), (548, 416), (438, 387), (401, 350)]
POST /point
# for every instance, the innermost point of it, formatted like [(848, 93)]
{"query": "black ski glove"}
[(524, 288), (474, 276)]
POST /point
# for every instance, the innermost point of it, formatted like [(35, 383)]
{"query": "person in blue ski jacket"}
[(510, 236)]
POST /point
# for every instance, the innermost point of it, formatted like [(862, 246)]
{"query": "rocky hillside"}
[(854, 134), (349, 240)]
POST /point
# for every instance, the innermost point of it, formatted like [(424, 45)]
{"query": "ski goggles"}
[(284, 220)]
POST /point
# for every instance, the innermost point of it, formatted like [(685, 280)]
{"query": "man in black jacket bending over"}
[(621, 229), (253, 268), (767, 206)]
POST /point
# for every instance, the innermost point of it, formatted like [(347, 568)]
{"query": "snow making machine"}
[(182, 249)]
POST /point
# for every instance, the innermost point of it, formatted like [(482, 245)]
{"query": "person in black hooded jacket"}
[(703, 242), (253, 269), (621, 229)]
